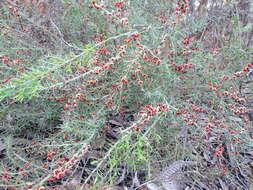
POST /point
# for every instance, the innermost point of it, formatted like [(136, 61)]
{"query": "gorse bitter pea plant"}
[(101, 93)]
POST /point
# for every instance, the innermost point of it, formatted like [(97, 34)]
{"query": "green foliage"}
[(144, 83)]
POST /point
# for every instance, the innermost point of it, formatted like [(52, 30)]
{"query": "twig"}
[(82, 151), (62, 37)]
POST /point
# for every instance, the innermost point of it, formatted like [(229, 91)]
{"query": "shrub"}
[(112, 92)]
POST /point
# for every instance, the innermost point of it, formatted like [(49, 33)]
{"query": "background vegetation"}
[(126, 94)]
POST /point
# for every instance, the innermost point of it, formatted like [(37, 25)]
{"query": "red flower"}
[(5, 60), (92, 82), (127, 40), (136, 127), (103, 51), (151, 110), (109, 103), (124, 80), (51, 179), (58, 173), (71, 103), (106, 127), (124, 21), (118, 4), (60, 99), (51, 153), (66, 107), (245, 69), (5, 176), (138, 45), (115, 86), (162, 107), (218, 152), (135, 35), (186, 42), (183, 10), (224, 78)]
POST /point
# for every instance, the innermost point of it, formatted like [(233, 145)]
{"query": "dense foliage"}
[(109, 94)]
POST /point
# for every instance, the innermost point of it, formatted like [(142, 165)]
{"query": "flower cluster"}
[(162, 107), (150, 57), (5, 176), (119, 4), (219, 151), (182, 68), (109, 103), (213, 86), (186, 41), (208, 128), (5, 60), (247, 68), (182, 111), (124, 80), (148, 113), (241, 110), (182, 7), (62, 160), (69, 105), (98, 37), (151, 110), (92, 82), (58, 173), (133, 36), (197, 108), (244, 71), (50, 155)]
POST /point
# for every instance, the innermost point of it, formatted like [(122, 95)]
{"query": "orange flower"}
[(51, 179), (109, 103), (92, 82), (124, 80), (127, 40), (57, 173), (6, 80)]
